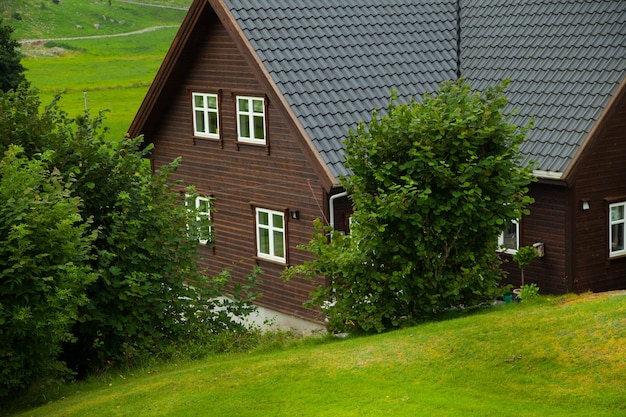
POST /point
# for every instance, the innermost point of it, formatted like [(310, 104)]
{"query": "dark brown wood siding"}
[(600, 180), (239, 176), (546, 223)]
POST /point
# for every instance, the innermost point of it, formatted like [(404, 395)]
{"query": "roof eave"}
[(227, 18), (596, 129), (548, 175)]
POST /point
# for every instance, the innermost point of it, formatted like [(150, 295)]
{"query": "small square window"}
[(251, 120), (205, 115), (202, 228), (270, 235), (617, 229)]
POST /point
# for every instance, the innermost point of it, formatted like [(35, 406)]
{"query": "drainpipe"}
[(331, 206), (458, 39)]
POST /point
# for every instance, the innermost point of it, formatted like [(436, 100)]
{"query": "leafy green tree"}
[(11, 69), (144, 258), (45, 246), (434, 182)]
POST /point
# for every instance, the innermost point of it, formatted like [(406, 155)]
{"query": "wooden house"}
[(257, 97)]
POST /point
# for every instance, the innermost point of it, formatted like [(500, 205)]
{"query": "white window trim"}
[(620, 252), (205, 111), (251, 114), (271, 228), (517, 240), (200, 214)]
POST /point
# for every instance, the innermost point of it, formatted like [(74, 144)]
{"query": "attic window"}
[(251, 120), (205, 115)]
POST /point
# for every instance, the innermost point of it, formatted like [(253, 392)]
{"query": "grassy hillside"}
[(112, 73), (36, 19), (555, 357)]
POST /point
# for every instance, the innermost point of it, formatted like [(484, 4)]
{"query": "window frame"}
[(271, 235), (197, 200), (501, 246), (251, 114), (611, 223), (205, 112)]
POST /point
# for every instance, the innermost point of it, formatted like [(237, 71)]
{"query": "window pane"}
[(277, 221), (264, 241), (510, 236), (257, 106), (617, 237), (199, 101), (263, 218), (244, 126), (203, 205), (259, 131), (212, 123), (617, 213), (200, 126), (212, 104), (204, 226), (279, 245), (243, 105)]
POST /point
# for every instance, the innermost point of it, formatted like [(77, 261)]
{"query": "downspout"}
[(458, 39), (331, 206)]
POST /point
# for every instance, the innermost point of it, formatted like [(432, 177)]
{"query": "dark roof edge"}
[(223, 12), (571, 168)]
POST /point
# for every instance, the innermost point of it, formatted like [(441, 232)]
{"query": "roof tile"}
[(335, 61)]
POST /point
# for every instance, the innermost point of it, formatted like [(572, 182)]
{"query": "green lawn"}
[(547, 358)]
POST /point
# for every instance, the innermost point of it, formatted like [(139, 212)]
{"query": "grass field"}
[(111, 73), (558, 357)]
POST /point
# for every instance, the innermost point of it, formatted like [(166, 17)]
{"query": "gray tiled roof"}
[(335, 61), (565, 57)]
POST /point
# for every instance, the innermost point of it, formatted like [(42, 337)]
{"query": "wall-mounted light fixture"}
[(586, 205), (294, 214)]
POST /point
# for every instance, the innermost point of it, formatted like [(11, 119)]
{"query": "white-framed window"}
[(270, 235), (251, 120), (617, 229), (205, 115), (508, 241), (202, 229)]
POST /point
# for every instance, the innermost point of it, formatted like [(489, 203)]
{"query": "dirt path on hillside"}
[(115, 35), (153, 5)]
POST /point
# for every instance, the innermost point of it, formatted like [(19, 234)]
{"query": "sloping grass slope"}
[(36, 19), (554, 358)]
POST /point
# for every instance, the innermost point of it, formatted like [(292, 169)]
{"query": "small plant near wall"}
[(529, 291), (523, 257)]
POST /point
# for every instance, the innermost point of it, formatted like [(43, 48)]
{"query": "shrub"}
[(45, 244), (432, 185)]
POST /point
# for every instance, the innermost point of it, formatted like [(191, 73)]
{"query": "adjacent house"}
[(257, 97)]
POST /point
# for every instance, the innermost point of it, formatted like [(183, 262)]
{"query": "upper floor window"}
[(202, 228), (205, 115), (508, 241), (617, 229), (251, 120), (270, 235)]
